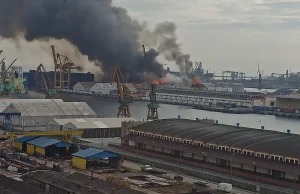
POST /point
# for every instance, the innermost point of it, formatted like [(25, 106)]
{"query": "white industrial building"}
[(100, 88), (35, 114), (107, 88), (93, 127), (4, 103), (83, 86)]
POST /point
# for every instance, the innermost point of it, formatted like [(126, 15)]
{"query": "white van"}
[(224, 187)]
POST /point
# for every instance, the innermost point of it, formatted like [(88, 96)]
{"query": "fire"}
[(156, 82), (197, 82)]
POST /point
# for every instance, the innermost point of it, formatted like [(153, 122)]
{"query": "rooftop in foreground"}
[(265, 141)]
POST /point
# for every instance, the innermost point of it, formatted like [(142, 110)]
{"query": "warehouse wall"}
[(30, 149), (40, 150), (288, 103), (78, 162), (18, 145)]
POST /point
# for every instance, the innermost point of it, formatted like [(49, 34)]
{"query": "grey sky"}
[(230, 34)]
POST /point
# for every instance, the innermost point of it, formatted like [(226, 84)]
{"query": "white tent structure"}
[(35, 115)]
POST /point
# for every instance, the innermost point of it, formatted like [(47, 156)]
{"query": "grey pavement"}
[(187, 179), (197, 169)]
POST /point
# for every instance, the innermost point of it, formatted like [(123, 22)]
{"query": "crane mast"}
[(62, 70), (123, 93), (48, 84)]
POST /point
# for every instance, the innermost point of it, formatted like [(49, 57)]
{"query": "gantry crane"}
[(153, 105), (123, 92), (62, 70), (67, 135), (50, 91)]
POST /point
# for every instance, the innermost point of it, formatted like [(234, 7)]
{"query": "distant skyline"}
[(230, 34)]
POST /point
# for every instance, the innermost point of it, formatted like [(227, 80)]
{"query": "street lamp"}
[(231, 165), (137, 147), (153, 153), (255, 171), (203, 156)]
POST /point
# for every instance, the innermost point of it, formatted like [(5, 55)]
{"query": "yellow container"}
[(79, 162)]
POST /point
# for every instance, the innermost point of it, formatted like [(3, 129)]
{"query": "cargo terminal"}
[(257, 151)]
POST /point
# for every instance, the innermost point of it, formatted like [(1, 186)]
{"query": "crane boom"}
[(123, 92), (48, 84)]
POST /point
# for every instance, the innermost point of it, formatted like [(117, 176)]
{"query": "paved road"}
[(197, 169), (187, 179)]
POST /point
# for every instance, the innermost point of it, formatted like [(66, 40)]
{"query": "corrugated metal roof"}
[(63, 145), (25, 138), (104, 155), (94, 123), (87, 153), (111, 86), (52, 108), (43, 142), (4, 103), (92, 153)]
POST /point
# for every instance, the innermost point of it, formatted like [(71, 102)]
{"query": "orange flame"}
[(156, 82), (197, 82)]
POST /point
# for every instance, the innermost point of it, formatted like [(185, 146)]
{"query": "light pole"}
[(231, 165), (137, 147), (153, 153), (203, 156), (255, 170)]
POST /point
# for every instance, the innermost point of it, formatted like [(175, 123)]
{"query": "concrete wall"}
[(270, 101), (258, 102)]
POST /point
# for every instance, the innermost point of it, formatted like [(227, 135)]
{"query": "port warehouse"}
[(35, 114), (257, 151), (44, 146), (100, 88), (92, 127), (33, 80), (88, 158)]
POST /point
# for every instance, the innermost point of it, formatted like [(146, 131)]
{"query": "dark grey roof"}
[(265, 141), (12, 186), (80, 183)]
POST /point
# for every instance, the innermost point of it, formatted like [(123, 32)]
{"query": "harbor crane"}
[(50, 91), (123, 92), (62, 70), (153, 105), (5, 80)]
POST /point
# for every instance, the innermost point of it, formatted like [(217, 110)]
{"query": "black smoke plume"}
[(101, 31)]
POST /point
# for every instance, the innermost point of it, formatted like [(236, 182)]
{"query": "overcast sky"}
[(230, 34)]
